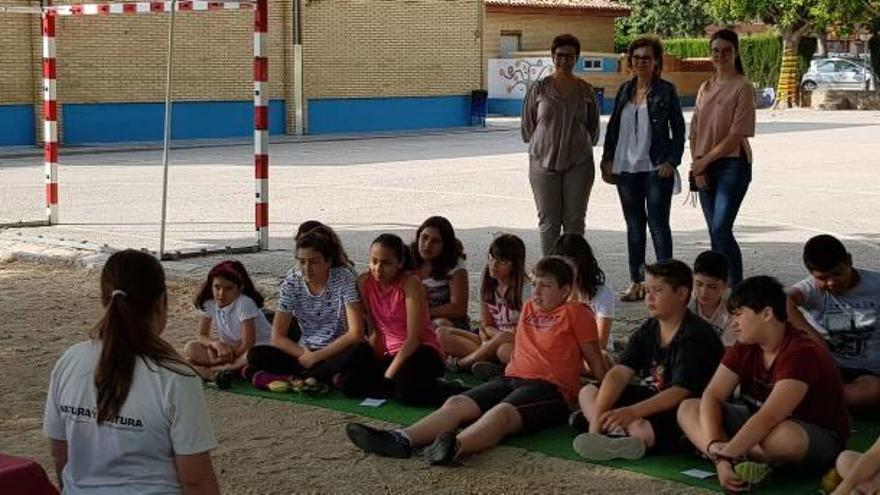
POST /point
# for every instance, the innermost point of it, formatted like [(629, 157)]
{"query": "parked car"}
[(838, 73)]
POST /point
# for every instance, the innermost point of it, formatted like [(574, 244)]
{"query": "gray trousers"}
[(561, 198)]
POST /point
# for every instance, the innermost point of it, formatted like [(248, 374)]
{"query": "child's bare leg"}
[(642, 430), (863, 393), (199, 354), (487, 351), (787, 443), (456, 411), (504, 352), (457, 342), (587, 400), (689, 420), (442, 322), (239, 363), (846, 461), (488, 431)]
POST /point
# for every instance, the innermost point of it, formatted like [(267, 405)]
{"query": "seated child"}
[(590, 287), (323, 300), (553, 338), (407, 359), (501, 297), (860, 472), (440, 265), (230, 304), (844, 305), (793, 411), (710, 294), (673, 354)]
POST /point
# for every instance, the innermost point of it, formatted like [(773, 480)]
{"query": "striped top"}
[(321, 317)]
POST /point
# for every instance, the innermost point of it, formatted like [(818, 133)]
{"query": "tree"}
[(666, 18), (794, 19)]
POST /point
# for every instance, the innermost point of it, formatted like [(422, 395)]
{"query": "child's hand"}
[(618, 419), (307, 359), (224, 351), (728, 479)]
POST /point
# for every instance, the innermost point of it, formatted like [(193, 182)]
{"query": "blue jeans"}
[(646, 199), (728, 181)]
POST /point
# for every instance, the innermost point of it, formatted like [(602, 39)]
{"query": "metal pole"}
[(169, 64)]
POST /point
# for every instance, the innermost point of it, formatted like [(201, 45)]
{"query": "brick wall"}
[(16, 59), (596, 33), (355, 48)]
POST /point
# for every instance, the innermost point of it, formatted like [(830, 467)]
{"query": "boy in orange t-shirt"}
[(553, 338)]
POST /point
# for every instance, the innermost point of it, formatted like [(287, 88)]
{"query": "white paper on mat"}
[(372, 402), (699, 474)]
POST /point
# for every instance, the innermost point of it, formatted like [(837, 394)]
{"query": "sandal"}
[(635, 291)]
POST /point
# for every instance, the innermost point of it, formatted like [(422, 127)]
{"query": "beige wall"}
[(596, 33), (354, 48), (351, 48), (16, 59)]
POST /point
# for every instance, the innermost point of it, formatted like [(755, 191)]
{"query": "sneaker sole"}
[(595, 447), (365, 441)]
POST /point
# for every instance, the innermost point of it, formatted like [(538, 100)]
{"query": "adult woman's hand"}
[(665, 170), (728, 479), (606, 167)]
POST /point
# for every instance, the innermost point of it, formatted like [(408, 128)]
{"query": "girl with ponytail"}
[(124, 409), (723, 120)]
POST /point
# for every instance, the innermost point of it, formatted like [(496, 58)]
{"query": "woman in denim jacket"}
[(643, 146)]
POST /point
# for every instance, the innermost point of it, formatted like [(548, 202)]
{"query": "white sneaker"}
[(596, 447)]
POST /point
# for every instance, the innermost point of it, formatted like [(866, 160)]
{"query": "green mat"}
[(556, 442)]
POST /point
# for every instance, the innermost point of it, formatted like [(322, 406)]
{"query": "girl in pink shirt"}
[(409, 357)]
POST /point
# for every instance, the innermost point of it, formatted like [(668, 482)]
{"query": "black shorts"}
[(850, 374), (539, 403), (667, 434), (823, 444)]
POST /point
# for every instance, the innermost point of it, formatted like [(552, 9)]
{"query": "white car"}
[(838, 73)]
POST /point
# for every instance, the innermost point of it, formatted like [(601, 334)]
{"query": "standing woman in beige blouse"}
[(723, 120), (560, 121)]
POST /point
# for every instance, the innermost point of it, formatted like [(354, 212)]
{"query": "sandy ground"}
[(265, 446)]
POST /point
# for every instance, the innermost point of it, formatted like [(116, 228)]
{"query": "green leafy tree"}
[(666, 18), (794, 19)]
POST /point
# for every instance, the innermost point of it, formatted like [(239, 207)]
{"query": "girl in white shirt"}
[(591, 288), (124, 412), (230, 304)]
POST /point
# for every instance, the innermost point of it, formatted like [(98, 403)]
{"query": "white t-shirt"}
[(602, 303), (850, 321), (164, 415), (227, 320), (720, 320)]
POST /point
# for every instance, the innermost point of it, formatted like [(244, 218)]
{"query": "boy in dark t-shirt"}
[(673, 355), (794, 412)]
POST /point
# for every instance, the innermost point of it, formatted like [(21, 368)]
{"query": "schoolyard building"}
[(335, 66)]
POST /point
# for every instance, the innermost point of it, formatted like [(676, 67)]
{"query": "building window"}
[(592, 64), (511, 41)]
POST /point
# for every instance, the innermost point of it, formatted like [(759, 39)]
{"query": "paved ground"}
[(814, 172)]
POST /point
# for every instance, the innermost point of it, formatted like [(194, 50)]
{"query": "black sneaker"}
[(578, 422), (487, 370), (382, 442), (443, 452)]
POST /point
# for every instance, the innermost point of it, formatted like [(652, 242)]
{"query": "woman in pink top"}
[(724, 119), (409, 356)]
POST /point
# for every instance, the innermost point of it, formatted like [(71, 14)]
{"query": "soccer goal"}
[(51, 160)]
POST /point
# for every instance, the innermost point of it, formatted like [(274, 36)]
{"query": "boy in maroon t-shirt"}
[(793, 412)]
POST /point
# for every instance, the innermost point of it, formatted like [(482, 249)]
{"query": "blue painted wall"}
[(334, 115), (115, 122), (17, 125)]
